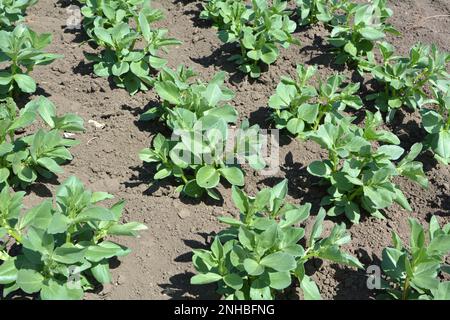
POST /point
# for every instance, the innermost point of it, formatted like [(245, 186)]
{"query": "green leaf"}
[(101, 272), (120, 68), (103, 35), (25, 83), (192, 189), (280, 280), (317, 227), (145, 27), (127, 229), (58, 224), (308, 112), (23, 121), (29, 280), (295, 126), (319, 169), (234, 175), (252, 267), (8, 272), (69, 254), (351, 49), (207, 177), (99, 196), (50, 165), (95, 214), (205, 278), (168, 91), (440, 244), (240, 199), (234, 281), (105, 250), (279, 261), (53, 290), (442, 292), (371, 34), (310, 289)]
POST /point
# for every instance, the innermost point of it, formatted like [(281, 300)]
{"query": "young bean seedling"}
[(413, 272), (24, 158), (199, 153), (259, 255), (62, 249), (359, 174), (405, 79), (13, 11), (257, 29), (354, 39), (300, 107), (109, 13), (131, 66), (20, 51), (437, 123), (177, 89)]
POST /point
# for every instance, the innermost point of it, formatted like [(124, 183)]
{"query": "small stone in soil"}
[(184, 213)]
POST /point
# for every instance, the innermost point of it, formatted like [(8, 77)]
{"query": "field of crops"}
[(232, 149)]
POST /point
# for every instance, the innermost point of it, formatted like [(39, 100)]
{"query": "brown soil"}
[(106, 160)]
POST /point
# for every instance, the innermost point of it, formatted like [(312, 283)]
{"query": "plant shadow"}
[(354, 284), (195, 14), (220, 58), (320, 54), (179, 286)]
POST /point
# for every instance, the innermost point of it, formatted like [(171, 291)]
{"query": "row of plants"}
[(50, 251), (353, 165), (261, 254), (63, 251), (258, 256), (260, 28), (129, 45)]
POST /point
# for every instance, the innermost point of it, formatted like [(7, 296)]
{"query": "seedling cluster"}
[(199, 153), (60, 248), (13, 11), (55, 250), (63, 250), (259, 255), (258, 29), (130, 45)]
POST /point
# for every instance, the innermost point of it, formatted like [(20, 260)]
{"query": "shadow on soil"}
[(220, 58), (353, 284), (179, 287), (195, 14)]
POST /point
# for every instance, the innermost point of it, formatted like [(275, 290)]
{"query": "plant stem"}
[(334, 159), (4, 256), (355, 193), (405, 289), (15, 234)]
